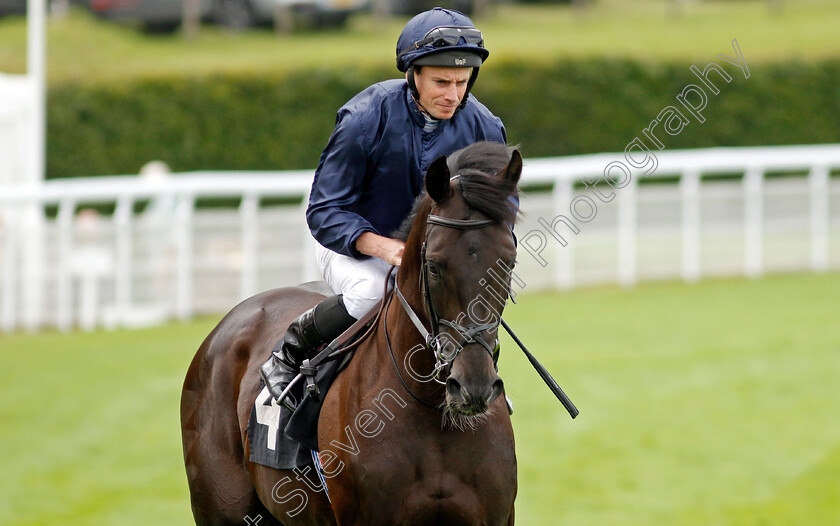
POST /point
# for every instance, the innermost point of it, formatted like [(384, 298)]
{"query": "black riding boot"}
[(304, 337)]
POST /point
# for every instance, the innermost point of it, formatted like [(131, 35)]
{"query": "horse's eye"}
[(434, 271)]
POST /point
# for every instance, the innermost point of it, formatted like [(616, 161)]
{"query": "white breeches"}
[(361, 281)]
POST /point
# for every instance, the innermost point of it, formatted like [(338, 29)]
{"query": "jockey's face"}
[(441, 89)]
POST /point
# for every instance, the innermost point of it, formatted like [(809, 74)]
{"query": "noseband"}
[(433, 339)]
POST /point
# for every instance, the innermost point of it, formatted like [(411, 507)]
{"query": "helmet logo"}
[(460, 61)]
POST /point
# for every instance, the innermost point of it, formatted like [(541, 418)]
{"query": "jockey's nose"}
[(452, 92)]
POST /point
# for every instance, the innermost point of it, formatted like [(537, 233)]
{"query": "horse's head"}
[(466, 254)]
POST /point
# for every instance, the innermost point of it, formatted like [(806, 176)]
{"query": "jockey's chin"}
[(442, 112)]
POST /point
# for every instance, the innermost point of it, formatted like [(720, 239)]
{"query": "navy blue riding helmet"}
[(441, 37)]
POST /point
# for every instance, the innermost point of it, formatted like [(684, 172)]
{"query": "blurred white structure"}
[(22, 145), (129, 251), (705, 212)]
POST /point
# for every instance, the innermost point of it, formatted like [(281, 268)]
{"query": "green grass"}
[(707, 404), (84, 48), (712, 404), (90, 430)]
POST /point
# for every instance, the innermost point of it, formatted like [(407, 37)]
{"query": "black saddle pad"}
[(280, 438)]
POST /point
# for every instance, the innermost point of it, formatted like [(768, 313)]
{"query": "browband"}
[(461, 224)]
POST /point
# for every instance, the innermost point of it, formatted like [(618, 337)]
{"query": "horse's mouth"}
[(463, 416)]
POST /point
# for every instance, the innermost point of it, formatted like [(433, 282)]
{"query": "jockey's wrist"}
[(366, 243), (371, 244), (385, 248)]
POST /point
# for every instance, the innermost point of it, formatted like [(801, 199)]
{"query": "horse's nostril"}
[(453, 387), (498, 388)]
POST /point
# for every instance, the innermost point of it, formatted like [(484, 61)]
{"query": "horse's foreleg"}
[(296, 496), (221, 493)]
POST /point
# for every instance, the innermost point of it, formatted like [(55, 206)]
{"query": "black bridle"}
[(469, 333)]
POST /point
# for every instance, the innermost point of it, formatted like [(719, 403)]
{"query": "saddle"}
[(284, 439)]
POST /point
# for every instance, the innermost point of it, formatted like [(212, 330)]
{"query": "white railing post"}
[(184, 270), (564, 272), (309, 264), (249, 221), (690, 197), (33, 224), (818, 181), (32, 231), (753, 221), (123, 269), (36, 71), (627, 239), (64, 269), (10, 263)]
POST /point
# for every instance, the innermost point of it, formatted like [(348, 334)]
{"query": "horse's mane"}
[(476, 167)]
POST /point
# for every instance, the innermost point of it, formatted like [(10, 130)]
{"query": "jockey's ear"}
[(437, 180), (514, 168)]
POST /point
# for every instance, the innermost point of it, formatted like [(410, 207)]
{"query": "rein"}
[(394, 359)]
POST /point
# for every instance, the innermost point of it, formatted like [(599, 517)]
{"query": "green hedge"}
[(575, 107), (275, 121)]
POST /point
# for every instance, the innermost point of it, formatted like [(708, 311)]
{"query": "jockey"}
[(372, 170)]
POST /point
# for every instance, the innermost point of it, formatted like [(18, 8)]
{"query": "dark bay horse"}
[(415, 430)]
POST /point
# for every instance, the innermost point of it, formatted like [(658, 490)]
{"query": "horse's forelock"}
[(489, 195), (477, 165), (482, 157)]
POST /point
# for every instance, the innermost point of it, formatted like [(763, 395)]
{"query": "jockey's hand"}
[(385, 248)]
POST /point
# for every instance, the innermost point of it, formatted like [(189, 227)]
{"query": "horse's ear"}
[(514, 167), (437, 180)]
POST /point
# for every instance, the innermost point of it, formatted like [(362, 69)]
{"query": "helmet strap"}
[(409, 76), (470, 84), (415, 93)]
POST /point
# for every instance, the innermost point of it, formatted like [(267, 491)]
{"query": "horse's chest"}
[(433, 480)]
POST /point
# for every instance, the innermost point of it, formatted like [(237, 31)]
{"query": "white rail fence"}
[(127, 251)]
